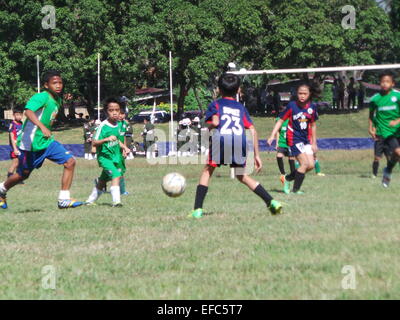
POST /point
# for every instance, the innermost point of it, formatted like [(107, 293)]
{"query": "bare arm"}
[(314, 137), (96, 143), (275, 131), (35, 120), (257, 159), (214, 122), (394, 123)]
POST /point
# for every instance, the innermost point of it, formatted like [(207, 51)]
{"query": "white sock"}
[(96, 193), (116, 194), (64, 195), (3, 188)]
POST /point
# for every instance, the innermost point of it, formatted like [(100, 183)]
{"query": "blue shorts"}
[(29, 160)]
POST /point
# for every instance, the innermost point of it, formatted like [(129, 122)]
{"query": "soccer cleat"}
[(299, 192), (386, 178), (275, 207), (374, 176), (3, 203), (197, 214), (286, 187), (320, 174), (3, 200), (282, 178), (117, 205), (125, 193), (69, 203)]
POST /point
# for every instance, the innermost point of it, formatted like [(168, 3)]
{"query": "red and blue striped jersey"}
[(300, 120)]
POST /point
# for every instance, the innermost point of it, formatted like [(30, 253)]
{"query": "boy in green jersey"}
[(107, 141), (36, 142), (384, 114)]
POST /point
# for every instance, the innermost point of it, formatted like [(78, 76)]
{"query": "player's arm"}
[(314, 136), (13, 141), (371, 127), (394, 123), (124, 148), (257, 159), (275, 131), (214, 123), (96, 143), (35, 120)]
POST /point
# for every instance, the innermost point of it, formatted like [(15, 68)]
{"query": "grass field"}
[(148, 249)]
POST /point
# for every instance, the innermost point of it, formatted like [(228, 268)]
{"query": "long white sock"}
[(116, 194), (96, 193), (64, 195), (3, 188)]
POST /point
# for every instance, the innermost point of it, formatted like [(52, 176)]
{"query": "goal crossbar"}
[(314, 70)]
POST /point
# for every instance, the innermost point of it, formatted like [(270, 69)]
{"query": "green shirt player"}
[(385, 114), (36, 142), (109, 155), (283, 150)]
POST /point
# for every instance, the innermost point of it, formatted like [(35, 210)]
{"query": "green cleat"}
[(286, 187), (197, 214), (275, 207), (298, 192)]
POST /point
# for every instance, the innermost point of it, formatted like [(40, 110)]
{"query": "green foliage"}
[(134, 38)]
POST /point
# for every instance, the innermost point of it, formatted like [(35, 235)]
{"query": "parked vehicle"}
[(160, 116)]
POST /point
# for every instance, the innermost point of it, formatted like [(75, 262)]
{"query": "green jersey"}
[(109, 150), (123, 129), (282, 143), (385, 109), (46, 108)]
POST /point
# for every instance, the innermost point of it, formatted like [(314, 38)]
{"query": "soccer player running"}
[(385, 113), (109, 156), (228, 121), (36, 142), (302, 135), (283, 149), (14, 130)]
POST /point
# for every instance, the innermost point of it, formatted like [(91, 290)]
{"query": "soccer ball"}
[(173, 184)]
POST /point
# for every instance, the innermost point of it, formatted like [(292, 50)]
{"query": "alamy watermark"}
[(349, 21), (49, 277), (49, 20)]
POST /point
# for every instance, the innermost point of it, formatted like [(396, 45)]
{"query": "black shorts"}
[(386, 146), (285, 151)]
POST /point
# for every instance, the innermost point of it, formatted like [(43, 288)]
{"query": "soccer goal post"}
[(314, 70)]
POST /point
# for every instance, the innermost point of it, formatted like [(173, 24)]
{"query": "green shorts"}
[(111, 170)]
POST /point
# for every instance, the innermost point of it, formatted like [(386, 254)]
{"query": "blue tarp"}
[(163, 147)]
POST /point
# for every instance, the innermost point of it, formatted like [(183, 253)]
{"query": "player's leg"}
[(379, 149), (24, 169), (116, 191), (281, 166), (13, 166), (274, 206), (202, 189), (56, 152), (317, 166), (99, 188), (292, 163), (394, 146)]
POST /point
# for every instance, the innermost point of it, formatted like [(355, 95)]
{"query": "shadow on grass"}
[(365, 176), (29, 211), (277, 190)]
